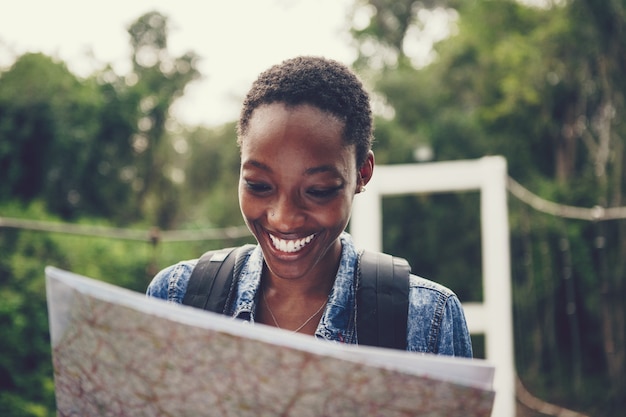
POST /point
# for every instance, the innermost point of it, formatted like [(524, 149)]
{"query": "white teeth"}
[(290, 246)]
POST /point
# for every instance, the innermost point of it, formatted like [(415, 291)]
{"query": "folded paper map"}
[(119, 353)]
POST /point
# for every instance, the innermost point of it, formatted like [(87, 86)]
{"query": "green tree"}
[(543, 87), (158, 79), (73, 148), (212, 176), (97, 146), (47, 120)]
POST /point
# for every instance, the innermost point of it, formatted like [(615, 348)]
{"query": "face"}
[(297, 182)]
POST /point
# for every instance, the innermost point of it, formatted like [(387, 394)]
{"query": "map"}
[(119, 353)]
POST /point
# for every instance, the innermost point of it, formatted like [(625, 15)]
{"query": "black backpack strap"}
[(211, 281), (382, 300)]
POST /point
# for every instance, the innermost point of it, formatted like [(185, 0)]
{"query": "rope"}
[(153, 235), (596, 213), (540, 406)]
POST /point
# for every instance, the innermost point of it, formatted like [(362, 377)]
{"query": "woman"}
[(305, 135)]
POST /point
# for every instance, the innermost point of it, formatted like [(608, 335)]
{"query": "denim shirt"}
[(436, 322)]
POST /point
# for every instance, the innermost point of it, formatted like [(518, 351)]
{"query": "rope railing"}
[(540, 406), (153, 235), (596, 213)]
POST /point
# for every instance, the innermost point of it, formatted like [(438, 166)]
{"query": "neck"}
[(310, 286), (296, 304)]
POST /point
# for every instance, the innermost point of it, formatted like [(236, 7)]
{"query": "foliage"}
[(542, 86), (47, 120), (80, 149), (212, 175), (160, 80), (25, 363), (96, 146)]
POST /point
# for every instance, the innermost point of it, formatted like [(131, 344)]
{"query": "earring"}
[(362, 189)]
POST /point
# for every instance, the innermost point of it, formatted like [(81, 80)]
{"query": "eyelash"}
[(257, 188), (325, 193), (260, 188)]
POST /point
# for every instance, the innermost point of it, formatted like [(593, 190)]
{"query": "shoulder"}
[(436, 320), (428, 298), (428, 285), (171, 282), (419, 284)]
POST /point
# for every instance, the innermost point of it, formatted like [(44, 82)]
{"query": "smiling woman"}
[(305, 134), (298, 179)]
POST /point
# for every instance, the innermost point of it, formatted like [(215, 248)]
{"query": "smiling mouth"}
[(292, 245)]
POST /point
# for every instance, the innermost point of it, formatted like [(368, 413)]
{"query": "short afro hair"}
[(324, 83)]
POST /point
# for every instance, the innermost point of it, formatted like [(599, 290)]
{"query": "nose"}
[(287, 214)]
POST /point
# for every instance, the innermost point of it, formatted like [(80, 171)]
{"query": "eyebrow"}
[(308, 171), (321, 169), (257, 164)]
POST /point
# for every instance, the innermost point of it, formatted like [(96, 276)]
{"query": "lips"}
[(290, 245)]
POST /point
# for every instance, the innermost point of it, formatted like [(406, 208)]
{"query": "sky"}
[(236, 39)]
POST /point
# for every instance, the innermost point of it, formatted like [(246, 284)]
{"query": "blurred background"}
[(118, 158)]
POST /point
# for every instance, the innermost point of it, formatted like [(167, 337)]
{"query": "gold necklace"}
[(302, 325)]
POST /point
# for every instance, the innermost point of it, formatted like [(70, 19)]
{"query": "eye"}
[(322, 193), (258, 187)]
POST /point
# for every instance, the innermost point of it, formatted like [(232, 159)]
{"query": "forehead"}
[(304, 124)]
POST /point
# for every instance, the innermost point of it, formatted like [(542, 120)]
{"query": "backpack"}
[(382, 293)]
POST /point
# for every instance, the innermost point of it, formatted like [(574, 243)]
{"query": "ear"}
[(365, 172)]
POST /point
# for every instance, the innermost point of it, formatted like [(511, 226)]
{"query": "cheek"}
[(335, 215), (246, 205)]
